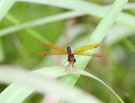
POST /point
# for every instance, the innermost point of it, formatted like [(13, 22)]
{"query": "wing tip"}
[(97, 55), (41, 53), (42, 43), (97, 45)]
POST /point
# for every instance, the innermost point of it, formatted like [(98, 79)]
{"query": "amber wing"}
[(84, 48), (89, 54), (52, 53), (54, 47)]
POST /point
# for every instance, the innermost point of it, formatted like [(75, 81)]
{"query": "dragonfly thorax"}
[(71, 58)]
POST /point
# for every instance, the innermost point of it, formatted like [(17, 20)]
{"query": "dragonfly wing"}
[(52, 53), (89, 54), (84, 48), (54, 47)]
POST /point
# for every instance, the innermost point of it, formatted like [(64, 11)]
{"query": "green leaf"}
[(2, 56), (18, 93), (87, 8), (40, 81), (93, 9), (101, 30), (5, 6), (39, 22), (98, 35)]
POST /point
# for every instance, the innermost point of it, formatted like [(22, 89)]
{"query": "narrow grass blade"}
[(12, 19), (120, 30), (2, 56), (39, 22), (98, 35), (13, 92), (39, 83), (5, 6), (123, 18), (87, 8)]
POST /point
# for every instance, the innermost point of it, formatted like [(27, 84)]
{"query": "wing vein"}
[(84, 48), (52, 53), (89, 54), (54, 47)]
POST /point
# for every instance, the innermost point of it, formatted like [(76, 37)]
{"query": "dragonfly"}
[(71, 58)]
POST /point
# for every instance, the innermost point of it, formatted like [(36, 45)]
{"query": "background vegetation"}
[(20, 44)]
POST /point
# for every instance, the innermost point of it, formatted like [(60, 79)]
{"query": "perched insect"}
[(71, 58)]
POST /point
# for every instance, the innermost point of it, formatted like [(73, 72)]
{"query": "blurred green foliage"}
[(25, 53), (117, 68)]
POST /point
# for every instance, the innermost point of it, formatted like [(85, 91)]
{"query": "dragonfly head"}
[(69, 50)]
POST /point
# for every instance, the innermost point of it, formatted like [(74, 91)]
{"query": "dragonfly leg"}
[(67, 67), (63, 63), (74, 69)]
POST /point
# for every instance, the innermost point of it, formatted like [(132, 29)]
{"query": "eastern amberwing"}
[(71, 58)]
